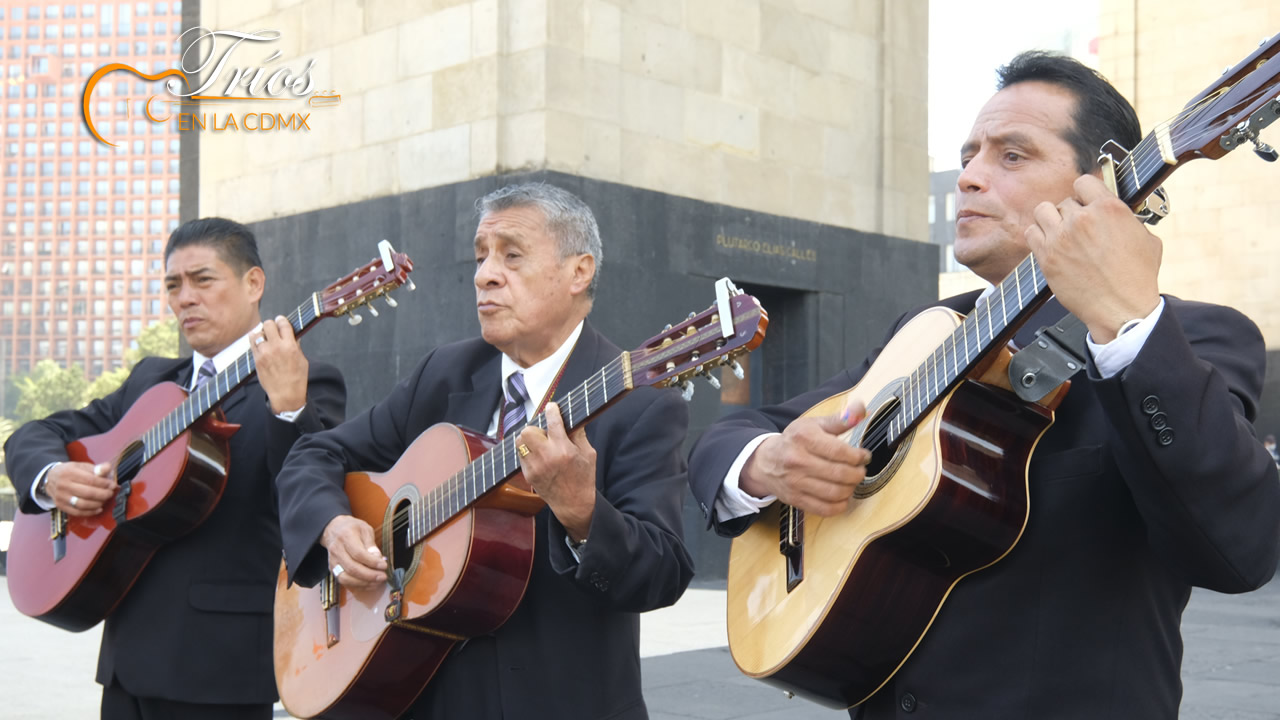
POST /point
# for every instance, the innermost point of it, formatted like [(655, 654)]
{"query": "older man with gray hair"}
[(609, 543)]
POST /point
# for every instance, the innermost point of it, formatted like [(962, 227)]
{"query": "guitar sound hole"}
[(130, 463), (884, 454), (401, 550)]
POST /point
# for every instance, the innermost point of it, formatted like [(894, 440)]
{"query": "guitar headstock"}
[(367, 283), (733, 326), (1233, 110)]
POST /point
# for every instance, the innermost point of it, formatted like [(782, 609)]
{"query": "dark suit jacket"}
[(1081, 619), (570, 650), (196, 627)]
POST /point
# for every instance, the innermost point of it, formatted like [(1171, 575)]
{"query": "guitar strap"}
[(1058, 352)]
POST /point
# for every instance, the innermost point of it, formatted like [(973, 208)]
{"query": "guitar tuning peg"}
[(410, 284), (667, 328), (355, 319), (391, 302), (735, 368), (1264, 151), (712, 379), (693, 315), (686, 390), (373, 310)]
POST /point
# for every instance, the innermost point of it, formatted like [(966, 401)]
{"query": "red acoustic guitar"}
[(169, 456), (456, 523), (830, 608)]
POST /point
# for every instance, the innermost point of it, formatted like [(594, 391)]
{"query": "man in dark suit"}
[(192, 638), (1151, 480), (607, 547)]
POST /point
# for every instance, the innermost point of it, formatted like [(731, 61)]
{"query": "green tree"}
[(7, 427), (49, 388), (159, 339)]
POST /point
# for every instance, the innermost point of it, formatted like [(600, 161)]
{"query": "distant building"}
[(83, 224)]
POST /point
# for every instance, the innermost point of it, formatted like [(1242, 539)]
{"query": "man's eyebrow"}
[(1013, 137)]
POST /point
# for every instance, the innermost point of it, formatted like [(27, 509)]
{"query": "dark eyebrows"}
[(1015, 138)]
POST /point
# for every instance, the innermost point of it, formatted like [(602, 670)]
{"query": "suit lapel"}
[(582, 361), (473, 408)]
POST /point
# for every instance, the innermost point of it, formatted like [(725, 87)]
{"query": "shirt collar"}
[(223, 359), (539, 376)]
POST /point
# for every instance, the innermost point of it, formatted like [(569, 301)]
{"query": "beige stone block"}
[(366, 62), (522, 141), (721, 124), (855, 156), (791, 142), (464, 93), (566, 144), (603, 39), (525, 24), (670, 54), (868, 208), (566, 24), (794, 38), (820, 198), (753, 185), (430, 159), (602, 91), (736, 22), (282, 4), (364, 172), (856, 56), (236, 14), (843, 13), (522, 79), (392, 112), (602, 146), (826, 99), (652, 108), (764, 82), (436, 41), (565, 80), (333, 129), (380, 14), (246, 198), (484, 147), (317, 25), (485, 28), (667, 12), (302, 187), (908, 25), (670, 167)]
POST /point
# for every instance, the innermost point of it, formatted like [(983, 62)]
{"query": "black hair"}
[(233, 242), (1101, 113)]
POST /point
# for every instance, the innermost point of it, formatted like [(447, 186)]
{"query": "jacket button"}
[(1159, 421), (1150, 404), (1165, 436), (908, 703)]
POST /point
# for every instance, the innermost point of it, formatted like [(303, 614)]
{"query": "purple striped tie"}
[(513, 409), (206, 372)]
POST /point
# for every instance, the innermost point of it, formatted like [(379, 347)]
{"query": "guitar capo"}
[(1150, 213)]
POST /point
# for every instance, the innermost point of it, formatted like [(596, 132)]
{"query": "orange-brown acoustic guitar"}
[(456, 523), (169, 456), (830, 608)]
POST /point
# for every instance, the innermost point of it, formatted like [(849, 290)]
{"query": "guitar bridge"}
[(791, 544), (332, 616), (120, 512), (58, 533)]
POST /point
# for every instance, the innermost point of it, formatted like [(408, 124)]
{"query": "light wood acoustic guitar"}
[(830, 608), (455, 520), (169, 456)]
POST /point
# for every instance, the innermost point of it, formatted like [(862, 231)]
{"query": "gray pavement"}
[(1231, 670)]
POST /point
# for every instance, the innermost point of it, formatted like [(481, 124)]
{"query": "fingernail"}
[(101, 468), (373, 549)]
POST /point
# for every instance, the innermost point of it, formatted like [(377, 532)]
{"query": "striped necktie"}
[(513, 409), (206, 372)]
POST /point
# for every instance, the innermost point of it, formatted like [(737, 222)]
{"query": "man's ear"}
[(584, 270), (255, 281)]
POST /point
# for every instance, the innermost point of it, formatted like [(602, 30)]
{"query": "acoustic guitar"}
[(455, 520), (169, 458), (830, 608)]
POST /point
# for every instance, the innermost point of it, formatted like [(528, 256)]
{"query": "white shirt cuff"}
[(732, 502), (291, 415), (1112, 358), (35, 496)]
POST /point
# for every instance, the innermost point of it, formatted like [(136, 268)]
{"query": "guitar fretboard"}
[(209, 394), (502, 461)]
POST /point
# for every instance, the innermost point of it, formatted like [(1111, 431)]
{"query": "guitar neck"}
[(577, 407), (206, 396)]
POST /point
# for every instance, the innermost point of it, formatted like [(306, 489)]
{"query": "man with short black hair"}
[(1151, 480), (192, 637)]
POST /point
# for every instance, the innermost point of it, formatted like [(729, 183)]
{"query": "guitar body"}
[(169, 497), (463, 580), (948, 500)]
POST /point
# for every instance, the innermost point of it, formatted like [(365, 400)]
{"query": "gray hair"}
[(568, 218)]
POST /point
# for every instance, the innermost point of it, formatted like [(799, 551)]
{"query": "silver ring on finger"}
[(74, 501), (337, 570)]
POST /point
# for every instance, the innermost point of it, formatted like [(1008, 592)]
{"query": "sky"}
[(969, 39)]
